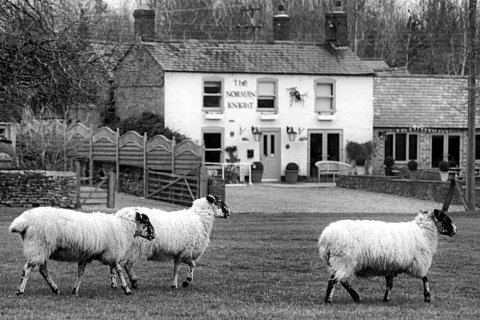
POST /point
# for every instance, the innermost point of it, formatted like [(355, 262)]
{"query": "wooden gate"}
[(181, 189), (101, 194)]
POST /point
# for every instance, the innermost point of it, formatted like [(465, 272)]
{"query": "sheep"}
[(182, 236), (363, 248), (68, 235)]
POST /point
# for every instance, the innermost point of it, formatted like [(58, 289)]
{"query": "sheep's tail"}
[(19, 225)]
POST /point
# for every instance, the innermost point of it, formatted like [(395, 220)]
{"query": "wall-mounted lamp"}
[(257, 135), (292, 134)]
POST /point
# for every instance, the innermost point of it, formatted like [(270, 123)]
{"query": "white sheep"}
[(68, 235), (362, 248), (182, 236)]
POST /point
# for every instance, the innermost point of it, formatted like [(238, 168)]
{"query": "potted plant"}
[(412, 167), (291, 172), (444, 166), (359, 155), (389, 162), (257, 172)]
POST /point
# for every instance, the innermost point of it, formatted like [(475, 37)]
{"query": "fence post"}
[(145, 165), (203, 180), (111, 190), (117, 159), (173, 154), (78, 204), (90, 158)]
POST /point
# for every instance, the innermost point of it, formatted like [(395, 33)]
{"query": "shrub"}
[(412, 165), (257, 166), (389, 162), (291, 166), (360, 152), (444, 166)]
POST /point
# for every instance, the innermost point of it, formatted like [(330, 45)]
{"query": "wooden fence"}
[(131, 149)]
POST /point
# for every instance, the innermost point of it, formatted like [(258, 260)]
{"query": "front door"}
[(270, 154), (324, 145), (445, 147)]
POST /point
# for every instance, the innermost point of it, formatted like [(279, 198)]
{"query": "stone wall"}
[(38, 188), (419, 189)]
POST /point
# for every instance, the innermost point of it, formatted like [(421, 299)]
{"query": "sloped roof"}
[(407, 101), (255, 57)]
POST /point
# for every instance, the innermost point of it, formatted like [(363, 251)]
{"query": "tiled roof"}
[(406, 101), (254, 57)]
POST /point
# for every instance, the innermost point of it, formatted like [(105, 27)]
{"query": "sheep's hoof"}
[(114, 286), (185, 283), (56, 291), (386, 300), (75, 291), (427, 299), (328, 300), (127, 291), (19, 293), (173, 286)]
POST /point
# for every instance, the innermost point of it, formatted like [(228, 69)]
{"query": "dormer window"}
[(212, 95)]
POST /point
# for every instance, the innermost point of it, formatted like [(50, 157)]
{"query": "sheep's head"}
[(444, 223), (144, 227), (218, 205)]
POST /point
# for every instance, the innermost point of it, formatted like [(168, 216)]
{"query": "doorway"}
[(324, 145)]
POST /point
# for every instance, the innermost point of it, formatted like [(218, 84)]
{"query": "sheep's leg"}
[(131, 275), (44, 272), (389, 286), (330, 288), (80, 271), (113, 278), (426, 289), (27, 269), (124, 285), (176, 267), (191, 265), (350, 290)]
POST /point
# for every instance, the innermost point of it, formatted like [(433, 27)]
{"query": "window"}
[(267, 95), (325, 96), (213, 146), (212, 94), (477, 147), (401, 146)]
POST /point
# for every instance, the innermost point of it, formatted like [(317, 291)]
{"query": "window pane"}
[(324, 90), (389, 145), (266, 88), (212, 140), (266, 103), (272, 144), (212, 87), (211, 102), (412, 147), (213, 156), (265, 145), (323, 104), (400, 147), (477, 147)]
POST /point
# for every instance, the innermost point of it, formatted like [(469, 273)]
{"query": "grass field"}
[(258, 266)]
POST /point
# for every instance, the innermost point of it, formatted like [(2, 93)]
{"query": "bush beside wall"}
[(418, 189), (38, 188)]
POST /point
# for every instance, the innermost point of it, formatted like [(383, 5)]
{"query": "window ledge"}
[(214, 115), (326, 116), (268, 116)]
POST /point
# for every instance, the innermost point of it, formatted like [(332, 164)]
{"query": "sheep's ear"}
[(211, 198), (138, 216), (436, 213)]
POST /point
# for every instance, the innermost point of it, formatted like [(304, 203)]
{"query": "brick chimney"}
[(336, 28), (281, 25), (144, 25)]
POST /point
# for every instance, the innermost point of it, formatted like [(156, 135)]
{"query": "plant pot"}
[(444, 176), (360, 170), (389, 171), (291, 176), (256, 176)]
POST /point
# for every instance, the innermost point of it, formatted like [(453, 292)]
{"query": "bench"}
[(332, 168)]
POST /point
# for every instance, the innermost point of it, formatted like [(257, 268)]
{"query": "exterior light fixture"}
[(292, 134), (257, 135)]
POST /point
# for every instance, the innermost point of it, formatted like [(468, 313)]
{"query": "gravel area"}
[(271, 198)]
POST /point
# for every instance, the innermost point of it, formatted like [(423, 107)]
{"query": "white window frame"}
[(218, 130), (220, 95), (275, 95), (332, 83)]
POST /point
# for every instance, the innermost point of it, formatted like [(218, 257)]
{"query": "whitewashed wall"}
[(354, 104)]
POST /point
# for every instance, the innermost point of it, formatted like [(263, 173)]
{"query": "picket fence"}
[(157, 153)]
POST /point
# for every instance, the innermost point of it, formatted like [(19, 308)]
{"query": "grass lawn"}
[(258, 266)]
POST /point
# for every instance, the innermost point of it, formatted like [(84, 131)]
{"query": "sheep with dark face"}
[(362, 248), (68, 235), (182, 236)]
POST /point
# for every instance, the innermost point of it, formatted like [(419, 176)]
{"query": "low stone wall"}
[(38, 188), (419, 189)]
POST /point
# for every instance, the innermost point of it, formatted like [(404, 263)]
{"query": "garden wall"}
[(419, 189), (38, 188)]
